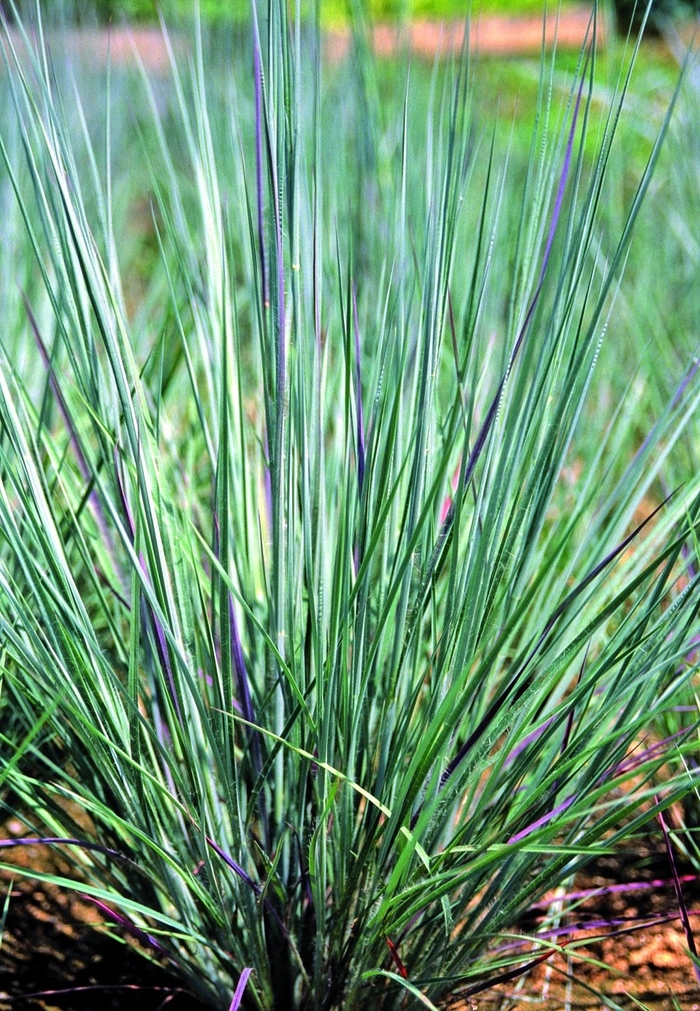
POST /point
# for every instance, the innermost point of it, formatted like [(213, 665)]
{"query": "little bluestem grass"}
[(337, 614)]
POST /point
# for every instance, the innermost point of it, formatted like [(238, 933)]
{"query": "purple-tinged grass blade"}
[(635, 759), (571, 933), (243, 683), (561, 189), (150, 616), (520, 970), (237, 658), (449, 498), (240, 989), (516, 687), (128, 925), (559, 809), (68, 421), (84, 844), (624, 888), (685, 381), (170, 991), (239, 664), (682, 908), (237, 869), (624, 925), (234, 866), (267, 481), (275, 438), (238, 661), (164, 658), (534, 735), (121, 489), (480, 443)]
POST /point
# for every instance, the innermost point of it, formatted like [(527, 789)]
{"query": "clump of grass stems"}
[(335, 624)]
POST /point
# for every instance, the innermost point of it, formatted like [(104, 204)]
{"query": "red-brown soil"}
[(643, 956), (491, 34), (499, 36), (51, 946), (56, 943)]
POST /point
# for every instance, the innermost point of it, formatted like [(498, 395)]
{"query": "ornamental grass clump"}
[(339, 596)]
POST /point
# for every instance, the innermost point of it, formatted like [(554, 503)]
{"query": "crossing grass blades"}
[(346, 578)]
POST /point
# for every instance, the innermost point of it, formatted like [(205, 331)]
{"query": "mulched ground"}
[(48, 947), (644, 956), (54, 943)]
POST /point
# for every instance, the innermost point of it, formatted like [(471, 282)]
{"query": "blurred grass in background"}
[(332, 11), (335, 12)]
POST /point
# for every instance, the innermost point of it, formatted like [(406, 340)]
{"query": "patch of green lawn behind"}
[(333, 12)]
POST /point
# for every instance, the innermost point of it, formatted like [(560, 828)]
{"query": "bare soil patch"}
[(58, 954), (636, 950), (492, 35), (489, 34)]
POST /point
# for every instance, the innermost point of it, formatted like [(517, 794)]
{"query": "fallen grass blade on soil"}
[(329, 599)]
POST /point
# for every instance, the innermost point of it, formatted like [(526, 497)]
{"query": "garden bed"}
[(58, 943)]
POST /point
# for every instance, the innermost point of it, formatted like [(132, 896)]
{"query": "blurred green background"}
[(334, 12)]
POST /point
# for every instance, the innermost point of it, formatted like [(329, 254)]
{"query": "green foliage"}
[(333, 12), (348, 525), (337, 12)]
